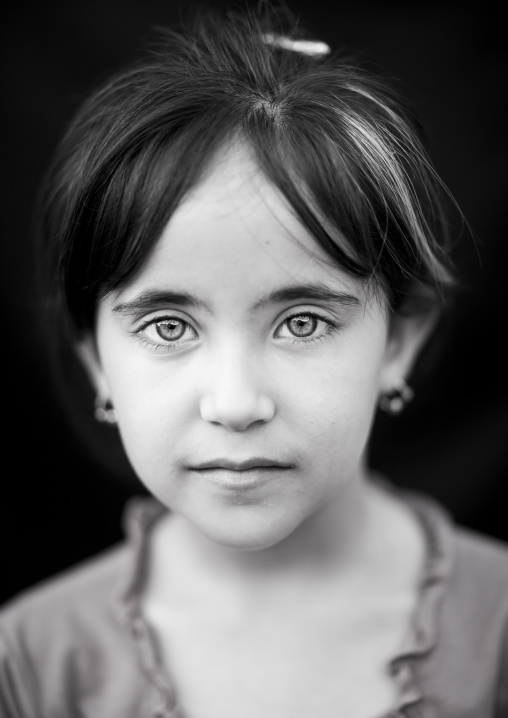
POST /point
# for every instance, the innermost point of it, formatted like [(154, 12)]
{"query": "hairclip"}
[(306, 47)]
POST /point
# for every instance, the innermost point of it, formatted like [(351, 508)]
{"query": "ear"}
[(406, 338), (89, 357)]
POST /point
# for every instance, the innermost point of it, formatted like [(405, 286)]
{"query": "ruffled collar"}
[(141, 514), (423, 632)]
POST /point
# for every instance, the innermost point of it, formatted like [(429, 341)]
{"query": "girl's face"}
[(243, 367)]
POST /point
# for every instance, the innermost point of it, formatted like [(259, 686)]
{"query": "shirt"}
[(78, 645)]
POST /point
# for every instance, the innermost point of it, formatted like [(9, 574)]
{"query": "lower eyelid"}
[(154, 346)]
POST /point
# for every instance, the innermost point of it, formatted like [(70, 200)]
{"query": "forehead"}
[(235, 232)]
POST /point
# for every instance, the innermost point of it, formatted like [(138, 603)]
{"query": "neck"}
[(335, 542)]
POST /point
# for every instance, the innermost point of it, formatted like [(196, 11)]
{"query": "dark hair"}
[(339, 144)]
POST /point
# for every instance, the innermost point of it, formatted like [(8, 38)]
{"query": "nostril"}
[(236, 413), (266, 408), (207, 409)]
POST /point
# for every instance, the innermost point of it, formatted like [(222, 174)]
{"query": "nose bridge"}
[(235, 395)]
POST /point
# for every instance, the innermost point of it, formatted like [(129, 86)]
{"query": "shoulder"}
[(71, 645), (463, 556), (478, 580), (484, 555), (78, 591), (473, 637), (57, 638), (476, 597), (88, 590), (67, 608), (462, 616), (467, 572)]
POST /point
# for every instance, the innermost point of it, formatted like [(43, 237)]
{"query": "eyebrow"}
[(152, 300), (309, 292)]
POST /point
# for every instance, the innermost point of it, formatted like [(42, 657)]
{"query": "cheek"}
[(336, 403), (325, 401), (340, 386), (155, 404)]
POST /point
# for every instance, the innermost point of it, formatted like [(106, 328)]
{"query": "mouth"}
[(241, 475), (255, 462)]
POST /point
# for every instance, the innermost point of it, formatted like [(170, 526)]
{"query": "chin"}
[(247, 530)]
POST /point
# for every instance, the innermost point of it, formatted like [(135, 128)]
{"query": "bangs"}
[(364, 190), (124, 208), (339, 145)]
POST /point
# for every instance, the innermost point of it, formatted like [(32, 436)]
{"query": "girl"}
[(244, 241)]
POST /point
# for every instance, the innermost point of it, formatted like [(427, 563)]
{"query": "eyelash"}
[(155, 346), (332, 326)]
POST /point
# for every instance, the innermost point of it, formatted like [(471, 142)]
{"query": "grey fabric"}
[(78, 647)]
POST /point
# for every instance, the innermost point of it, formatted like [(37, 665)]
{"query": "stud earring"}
[(103, 410), (396, 400)]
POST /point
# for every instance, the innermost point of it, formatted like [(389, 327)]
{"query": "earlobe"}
[(406, 338), (89, 356)]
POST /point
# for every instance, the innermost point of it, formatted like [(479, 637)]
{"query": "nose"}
[(235, 397)]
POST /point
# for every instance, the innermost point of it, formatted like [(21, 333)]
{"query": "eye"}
[(165, 333), (170, 329), (306, 327)]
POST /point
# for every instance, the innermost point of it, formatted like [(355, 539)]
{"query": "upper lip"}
[(251, 463)]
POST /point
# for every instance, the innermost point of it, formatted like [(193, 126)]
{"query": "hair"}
[(339, 144)]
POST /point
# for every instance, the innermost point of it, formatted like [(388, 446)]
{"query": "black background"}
[(59, 503)]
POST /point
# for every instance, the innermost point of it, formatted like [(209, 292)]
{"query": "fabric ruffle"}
[(422, 637)]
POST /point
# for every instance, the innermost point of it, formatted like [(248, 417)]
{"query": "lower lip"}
[(232, 480)]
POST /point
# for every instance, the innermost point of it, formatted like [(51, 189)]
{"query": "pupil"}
[(302, 326), (170, 329)]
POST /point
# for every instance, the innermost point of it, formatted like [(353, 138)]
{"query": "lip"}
[(243, 475), (254, 462)]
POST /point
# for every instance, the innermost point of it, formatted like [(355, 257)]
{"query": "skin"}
[(238, 383), (263, 585)]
